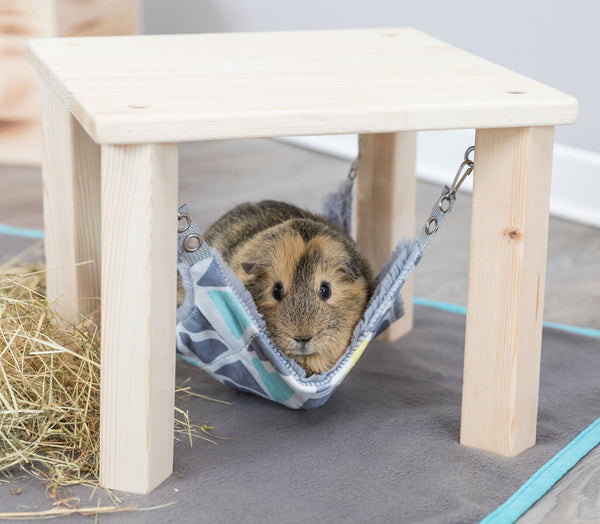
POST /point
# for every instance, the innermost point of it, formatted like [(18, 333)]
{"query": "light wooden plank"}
[(87, 219), (386, 206), (97, 17), (27, 18), (71, 180), (20, 21), (139, 235), (174, 88), (507, 269)]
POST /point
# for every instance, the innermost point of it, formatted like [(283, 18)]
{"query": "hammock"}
[(220, 329)]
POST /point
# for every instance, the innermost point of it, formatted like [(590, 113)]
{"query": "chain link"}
[(354, 167), (446, 201)]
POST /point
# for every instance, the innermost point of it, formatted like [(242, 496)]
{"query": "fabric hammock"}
[(220, 329)]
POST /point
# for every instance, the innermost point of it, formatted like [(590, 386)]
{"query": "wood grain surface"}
[(139, 269), (507, 275), (71, 167), (386, 200), (177, 88)]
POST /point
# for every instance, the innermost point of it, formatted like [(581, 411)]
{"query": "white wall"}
[(555, 42)]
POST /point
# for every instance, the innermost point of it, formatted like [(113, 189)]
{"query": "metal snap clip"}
[(464, 170), (192, 243), (186, 222)]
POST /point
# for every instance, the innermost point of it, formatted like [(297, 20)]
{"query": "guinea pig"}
[(307, 277)]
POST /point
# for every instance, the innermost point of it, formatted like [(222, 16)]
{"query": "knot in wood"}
[(513, 234)]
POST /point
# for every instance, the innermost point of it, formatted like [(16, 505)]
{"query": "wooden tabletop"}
[(174, 88)]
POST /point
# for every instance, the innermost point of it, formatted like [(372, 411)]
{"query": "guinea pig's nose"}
[(302, 340)]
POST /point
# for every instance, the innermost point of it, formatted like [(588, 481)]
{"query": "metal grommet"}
[(192, 243), (431, 226), (444, 204), (187, 222)]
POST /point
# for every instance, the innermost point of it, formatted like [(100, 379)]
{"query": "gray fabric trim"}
[(389, 281)]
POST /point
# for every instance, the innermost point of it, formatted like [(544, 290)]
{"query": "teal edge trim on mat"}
[(444, 306), (21, 232), (588, 332), (545, 477), (455, 308)]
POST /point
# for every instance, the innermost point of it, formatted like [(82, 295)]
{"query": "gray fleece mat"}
[(383, 449)]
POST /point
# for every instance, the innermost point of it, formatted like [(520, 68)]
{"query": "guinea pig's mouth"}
[(301, 347)]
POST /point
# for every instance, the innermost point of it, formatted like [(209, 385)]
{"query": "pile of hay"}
[(50, 386)]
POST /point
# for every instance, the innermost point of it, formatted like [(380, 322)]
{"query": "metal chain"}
[(354, 167), (446, 201)]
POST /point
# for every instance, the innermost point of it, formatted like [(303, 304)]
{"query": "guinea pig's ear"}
[(252, 268), (351, 270)]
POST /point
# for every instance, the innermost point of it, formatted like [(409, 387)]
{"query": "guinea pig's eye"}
[(278, 291), (325, 290)]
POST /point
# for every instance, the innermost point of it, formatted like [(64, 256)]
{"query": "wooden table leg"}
[(139, 256), (386, 206), (71, 179), (509, 233)]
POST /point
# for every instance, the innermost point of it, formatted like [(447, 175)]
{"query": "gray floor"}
[(217, 175), (383, 449)]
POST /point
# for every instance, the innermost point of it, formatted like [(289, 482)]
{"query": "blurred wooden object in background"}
[(20, 20)]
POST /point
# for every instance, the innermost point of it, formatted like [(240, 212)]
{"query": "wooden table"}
[(114, 110)]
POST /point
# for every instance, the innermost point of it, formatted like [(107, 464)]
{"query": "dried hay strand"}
[(50, 387), (49, 384)]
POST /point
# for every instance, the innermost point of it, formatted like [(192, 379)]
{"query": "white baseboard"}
[(575, 177)]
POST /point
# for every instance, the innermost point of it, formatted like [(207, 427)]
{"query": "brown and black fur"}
[(269, 243)]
